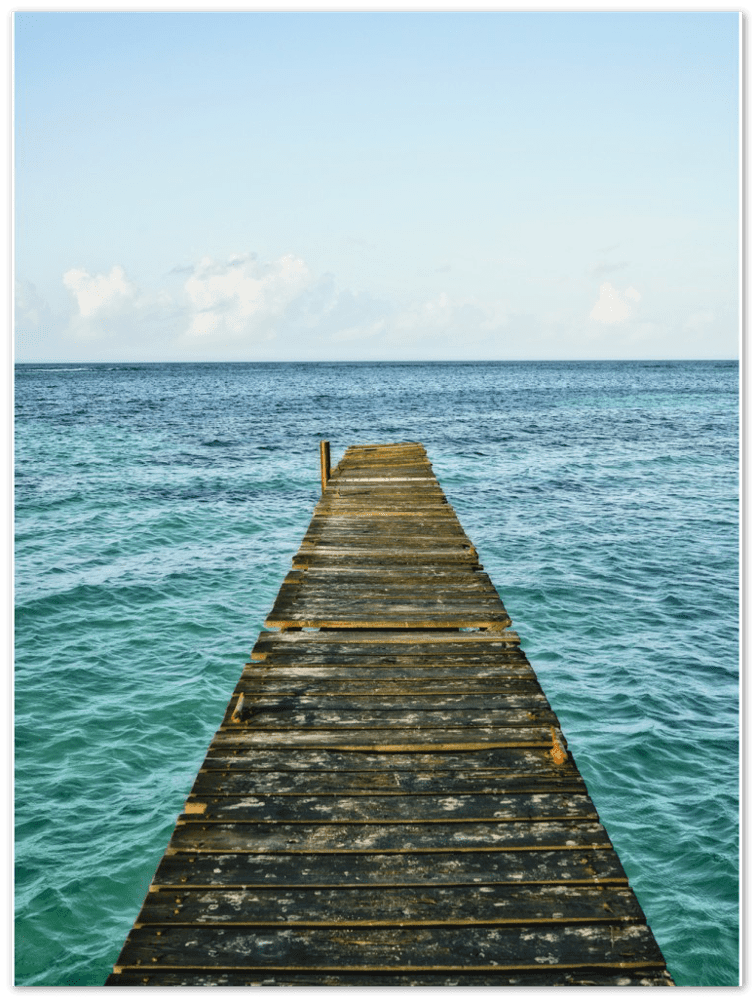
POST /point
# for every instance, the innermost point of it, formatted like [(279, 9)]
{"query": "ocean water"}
[(157, 510)]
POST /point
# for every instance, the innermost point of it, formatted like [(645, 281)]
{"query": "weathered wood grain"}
[(440, 904), (353, 642), (555, 866), (402, 948), (328, 686), (231, 774), (524, 712), (407, 700), (389, 807), (584, 976), (460, 739), (432, 759), (421, 546), (254, 837)]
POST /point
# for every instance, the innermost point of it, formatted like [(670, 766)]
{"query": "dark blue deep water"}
[(157, 511)]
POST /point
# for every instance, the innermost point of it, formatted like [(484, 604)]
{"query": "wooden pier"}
[(389, 800)]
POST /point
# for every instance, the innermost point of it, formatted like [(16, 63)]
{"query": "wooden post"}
[(325, 463)]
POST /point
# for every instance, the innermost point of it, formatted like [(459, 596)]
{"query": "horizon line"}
[(370, 361)]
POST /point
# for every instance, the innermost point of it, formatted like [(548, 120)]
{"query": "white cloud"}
[(100, 293), (613, 306), (242, 296), (239, 307), (244, 308)]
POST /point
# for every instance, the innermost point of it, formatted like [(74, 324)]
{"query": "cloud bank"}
[(249, 309), (243, 298), (100, 294), (243, 308)]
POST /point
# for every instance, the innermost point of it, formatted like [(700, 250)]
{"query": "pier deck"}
[(389, 800)]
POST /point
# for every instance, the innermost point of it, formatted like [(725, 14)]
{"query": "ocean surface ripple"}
[(157, 510)]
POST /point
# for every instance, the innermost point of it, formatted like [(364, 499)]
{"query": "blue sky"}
[(317, 186)]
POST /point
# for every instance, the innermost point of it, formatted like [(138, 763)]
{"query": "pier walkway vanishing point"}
[(389, 799)]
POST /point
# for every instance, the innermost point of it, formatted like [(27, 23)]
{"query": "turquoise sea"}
[(157, 510)]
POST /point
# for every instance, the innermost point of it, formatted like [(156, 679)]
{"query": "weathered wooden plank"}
[(298, 602), (388, 642), (380, 615), (431, 759), (406, 700), (503, 977), (463, 586), (556, 866), (234, 775), (360, 454), (336, 588), (301, 600), (360, 663), (334, 585), (387, 670), (362, 477), (385, 471), (329, 686), (365, 503), (512, 808), (462, 571), (417, 739), (356, 676), (404, 537), (380, 480), (377, 552), (252, 836), (420, 655), (384, 511), (617, 946), (399, 465), (341, 492), (338, 510), (394, 523), (380, 560), (445, 904), (426, 620), (414, 530), (361, 498), (417, 652), (375, 489), (269, 784), (445, 724), (428, 642), (340, 597), (307, 691)]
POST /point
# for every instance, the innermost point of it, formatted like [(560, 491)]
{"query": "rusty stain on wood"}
[(389, 799), (236, 715), (558, 751)]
